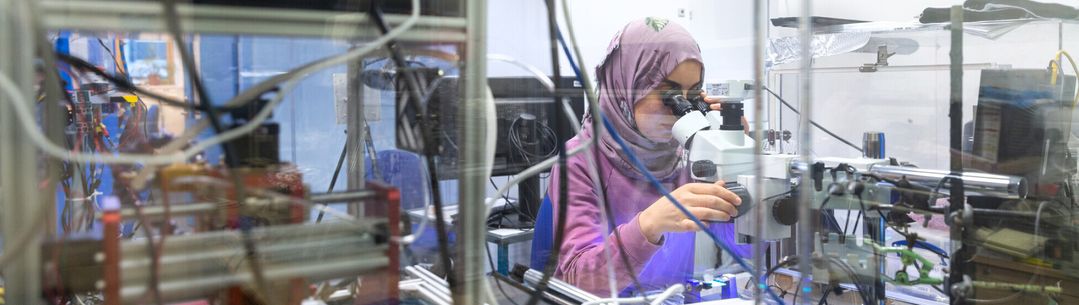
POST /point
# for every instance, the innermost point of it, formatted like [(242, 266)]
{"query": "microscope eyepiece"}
[(678, 104)]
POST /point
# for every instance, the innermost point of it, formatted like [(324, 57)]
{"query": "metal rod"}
[(354, 133), (344, 196), (805, 147), (179, 289), (980, 184), (758, 129), (961, 256), (174, 211), (285, 232), (22, 209), (471, 242)]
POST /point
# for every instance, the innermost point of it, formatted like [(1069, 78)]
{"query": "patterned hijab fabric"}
[(638, 59)]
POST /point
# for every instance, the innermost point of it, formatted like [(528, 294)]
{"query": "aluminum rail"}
[(532, 277), (197, 286), (424, 290), (432, 288), (977, 184), (196, 265), (146, 16)]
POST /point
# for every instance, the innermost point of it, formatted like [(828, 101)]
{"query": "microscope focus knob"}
[(743, 193), (785, 211)]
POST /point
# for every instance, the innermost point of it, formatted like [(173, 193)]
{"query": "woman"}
[(648, 57)]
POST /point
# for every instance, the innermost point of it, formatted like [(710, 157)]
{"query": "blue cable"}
[(655, 183), (659, 186)]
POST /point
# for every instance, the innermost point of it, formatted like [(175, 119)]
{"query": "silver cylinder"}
[(974, 184), (873, 145)]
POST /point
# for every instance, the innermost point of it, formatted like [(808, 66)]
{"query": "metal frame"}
[(20, 203), (470, 284), (21, 208), (143, 16)]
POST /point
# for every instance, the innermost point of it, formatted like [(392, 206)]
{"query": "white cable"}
[(291, 80), (536, 72), (492, 129), (660, 298), (545, 164), (531, 171), (544, 80), (671, 291)]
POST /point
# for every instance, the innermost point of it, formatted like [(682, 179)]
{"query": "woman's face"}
[(654, 120)]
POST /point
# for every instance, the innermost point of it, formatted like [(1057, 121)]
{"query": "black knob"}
[(785, 211), (742, 192)]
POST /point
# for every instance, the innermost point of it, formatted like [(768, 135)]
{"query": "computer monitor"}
[(1022, 127), (525, 136)]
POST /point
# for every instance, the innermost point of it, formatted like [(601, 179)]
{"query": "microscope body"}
[(719, 149)]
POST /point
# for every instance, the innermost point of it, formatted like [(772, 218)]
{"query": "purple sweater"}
[(583, 261)]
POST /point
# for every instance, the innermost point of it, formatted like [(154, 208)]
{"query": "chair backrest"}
[(543, 235), (406, 171)]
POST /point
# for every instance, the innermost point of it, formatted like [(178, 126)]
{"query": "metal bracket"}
[(882, 60)]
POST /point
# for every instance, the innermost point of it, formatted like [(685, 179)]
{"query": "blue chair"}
[(406, 171), (543, 235)]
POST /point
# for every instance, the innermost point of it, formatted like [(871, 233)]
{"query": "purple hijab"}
[(639, 58)]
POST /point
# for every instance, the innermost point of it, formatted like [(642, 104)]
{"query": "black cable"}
[(936, 190), (429, 146), (231, 158), (824, 298), (516, 206), (846, 222), (112, 56), (336, 173), (563, 206), (825, 202), (790, 260), (548, 137), (124, 84), (173, 21), (814, 123), (797, 289), (855, 278), (777, 195)]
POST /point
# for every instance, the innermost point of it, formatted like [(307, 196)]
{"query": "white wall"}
[(518, 28), (911, 107)]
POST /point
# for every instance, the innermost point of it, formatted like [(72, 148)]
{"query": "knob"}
[(742, 192), (785, 211)]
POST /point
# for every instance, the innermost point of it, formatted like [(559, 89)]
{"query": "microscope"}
[(718, 148)]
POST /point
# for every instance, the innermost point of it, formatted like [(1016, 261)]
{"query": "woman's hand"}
[(716, 104), (706, 201)]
